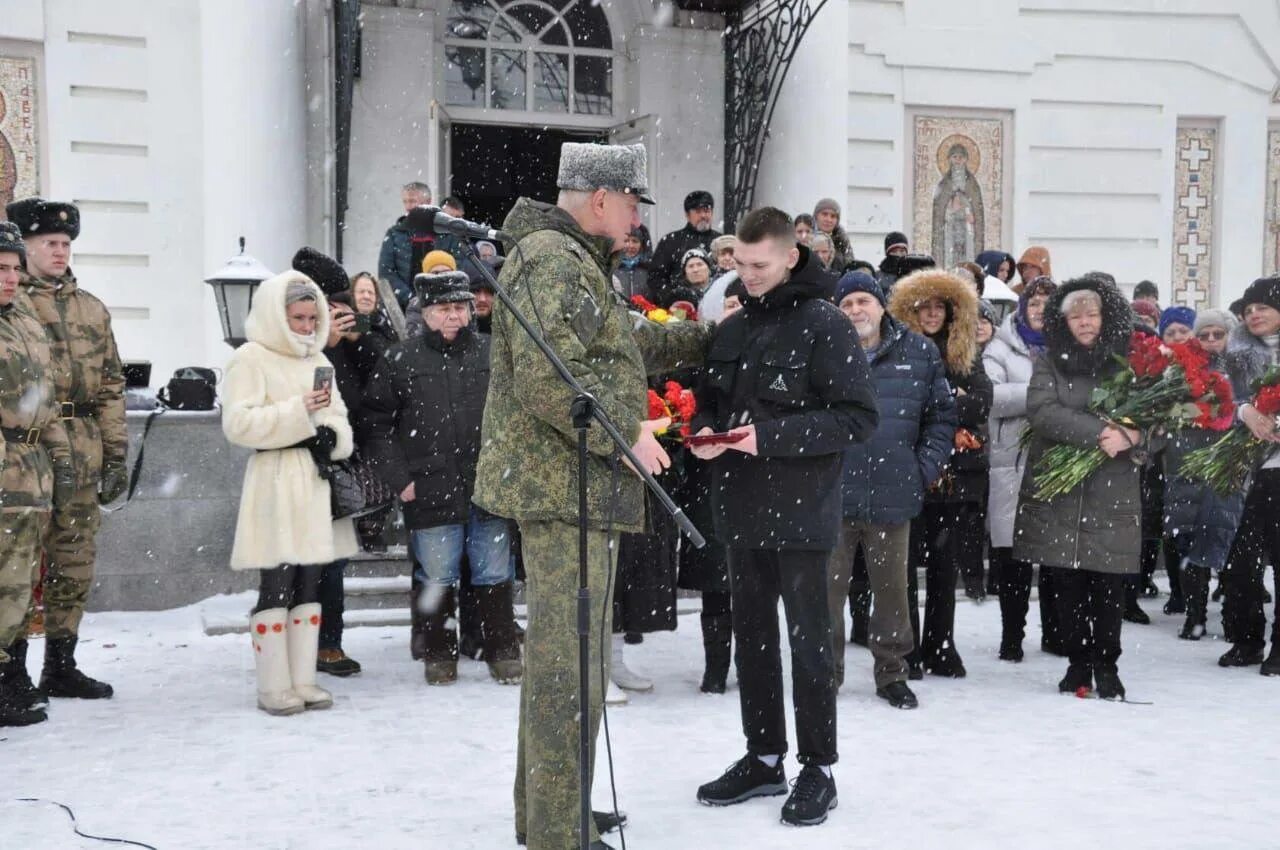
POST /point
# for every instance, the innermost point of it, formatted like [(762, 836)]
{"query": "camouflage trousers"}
[(21, 540), (546, 786), (72, 546)]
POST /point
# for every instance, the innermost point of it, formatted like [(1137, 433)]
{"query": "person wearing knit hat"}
[(1147, 312), (987, 321), (1214, 318), (1034, 263), (1176, 324), (666, 267), (826, 217), (895, 244), (859, 281), (438, 262)]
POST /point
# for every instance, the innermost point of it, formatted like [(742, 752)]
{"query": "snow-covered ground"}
[(182, 759)]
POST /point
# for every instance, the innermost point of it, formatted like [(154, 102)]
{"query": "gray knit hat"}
[(829, 204), (585, 167), (11, 240), (1215, 318)]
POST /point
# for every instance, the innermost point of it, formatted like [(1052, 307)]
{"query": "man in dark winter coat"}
[(895, 266), (786, 378), (881, 496), (423, 407), (404, 246), (666, 267)]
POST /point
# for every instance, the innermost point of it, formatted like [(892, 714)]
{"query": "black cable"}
[(608, 600), (76, 828)]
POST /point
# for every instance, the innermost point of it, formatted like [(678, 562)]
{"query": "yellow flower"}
[(659, 315)]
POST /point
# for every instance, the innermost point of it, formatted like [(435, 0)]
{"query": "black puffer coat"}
[(1098, 525), (789, 363), (423, 407)]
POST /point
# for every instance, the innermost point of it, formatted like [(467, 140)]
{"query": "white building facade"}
[(1140, 137)]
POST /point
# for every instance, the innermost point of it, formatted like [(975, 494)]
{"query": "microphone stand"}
[(584, 410)]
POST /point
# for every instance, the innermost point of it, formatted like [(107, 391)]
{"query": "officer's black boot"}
[(15, 713), (14, 677), (61, 677)]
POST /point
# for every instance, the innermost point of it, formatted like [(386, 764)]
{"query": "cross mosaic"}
[(1192, 278)]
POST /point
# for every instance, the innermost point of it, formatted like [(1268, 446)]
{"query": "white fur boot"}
[(304, 646), (271, 660), (621, 675)]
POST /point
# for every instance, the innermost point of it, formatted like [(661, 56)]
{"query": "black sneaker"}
[(1078, 676), (746, 778), (1109, 684), (813, 795), (898, 695), (1242, 655)]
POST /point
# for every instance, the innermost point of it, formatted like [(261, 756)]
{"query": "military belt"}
[(26, 436), (76, 409)]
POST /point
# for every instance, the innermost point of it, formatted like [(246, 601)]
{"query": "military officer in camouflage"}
[(88, 381), (35, 473), (558, 273)]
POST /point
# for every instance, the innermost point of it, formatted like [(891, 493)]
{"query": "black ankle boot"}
[(15, 713), (14, 677), (1271, 667), (717, 641), (61, 677)]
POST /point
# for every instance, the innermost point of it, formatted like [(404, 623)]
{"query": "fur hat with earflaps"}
[(961, 328), (442, 288)]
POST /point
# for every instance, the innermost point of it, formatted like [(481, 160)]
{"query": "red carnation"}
[(644, 305), (657, 410)]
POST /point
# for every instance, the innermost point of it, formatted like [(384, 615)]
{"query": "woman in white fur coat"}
[(285, 528)]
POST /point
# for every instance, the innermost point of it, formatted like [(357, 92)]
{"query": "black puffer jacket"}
[(423, 407), (789, 363)]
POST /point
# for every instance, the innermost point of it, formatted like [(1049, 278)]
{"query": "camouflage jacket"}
[(557, 275), (86, 370), (27, 403)]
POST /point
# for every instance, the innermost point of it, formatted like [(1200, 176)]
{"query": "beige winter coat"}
[(284, 505)]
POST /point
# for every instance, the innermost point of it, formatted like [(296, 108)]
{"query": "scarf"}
[(1033, 338)]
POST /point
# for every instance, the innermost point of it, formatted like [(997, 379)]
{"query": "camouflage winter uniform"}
[(27, 474), (88, 375), (528, 471)]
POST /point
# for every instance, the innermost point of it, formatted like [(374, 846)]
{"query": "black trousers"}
[(940, 546), (333, 604), (288, 586), (1257, 544), (760, 577), (1015, 594), (1090, 612)]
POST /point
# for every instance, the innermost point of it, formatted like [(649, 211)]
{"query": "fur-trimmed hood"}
[(268, 326), (961, 329), (1117, 327)]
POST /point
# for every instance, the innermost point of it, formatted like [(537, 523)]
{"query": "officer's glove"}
[(115, 480)]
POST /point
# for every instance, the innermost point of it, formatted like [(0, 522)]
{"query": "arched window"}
[(533, 55)]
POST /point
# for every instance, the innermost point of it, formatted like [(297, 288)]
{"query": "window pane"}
[(593, 85), (589, 25), (551, 86), (464, 76), (505, 30), (507, 80), (531, 17), (469, 19)]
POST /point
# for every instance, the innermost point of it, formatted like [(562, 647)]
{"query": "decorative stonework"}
[(1196, 157), (19, 153), (958, 186), (1271, 236)]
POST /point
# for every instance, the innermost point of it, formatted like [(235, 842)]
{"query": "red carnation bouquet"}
[(681, 311), (1227, 464), (1160, 389), (677, 403)]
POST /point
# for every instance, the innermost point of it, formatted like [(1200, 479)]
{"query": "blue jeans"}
[(484, 537)]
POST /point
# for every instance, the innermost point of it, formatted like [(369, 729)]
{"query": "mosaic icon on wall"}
[(958, 186), (19, 154), (1195, 160), (1271, 238)]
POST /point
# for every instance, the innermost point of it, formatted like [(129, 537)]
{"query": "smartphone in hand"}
[(363, 324), (323, 379)]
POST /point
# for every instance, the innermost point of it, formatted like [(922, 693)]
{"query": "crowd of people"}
[(862, 423)]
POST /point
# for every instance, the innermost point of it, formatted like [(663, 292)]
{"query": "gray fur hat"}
[(443, 288), (585, 167)]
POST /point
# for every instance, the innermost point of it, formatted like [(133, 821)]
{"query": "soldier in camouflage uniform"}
[(88, 381), (558, 273), (35, 472)]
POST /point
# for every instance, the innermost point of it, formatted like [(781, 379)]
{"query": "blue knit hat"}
[(1177, 315), (859, 281)]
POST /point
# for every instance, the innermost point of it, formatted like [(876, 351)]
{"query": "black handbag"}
[(191, 388), (354, 489)]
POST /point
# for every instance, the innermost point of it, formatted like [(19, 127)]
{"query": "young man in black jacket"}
[(786, 377), (423, 408)]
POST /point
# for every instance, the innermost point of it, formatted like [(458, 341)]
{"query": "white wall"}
[(1095, 91)]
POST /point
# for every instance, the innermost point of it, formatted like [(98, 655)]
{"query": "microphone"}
[(432, 219)]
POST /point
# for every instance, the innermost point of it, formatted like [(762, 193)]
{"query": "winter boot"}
[(471, 619), (13, 675), (1243, 654), (622, 675), (717, 641), (1109, 684), (440, 638), (1271, 667), (1078, 676), (1133, 613), (61, 677), (271, 661), (304, 643), (812, 797), (860, 614), (1013, 625), (501, 649), (898, 695), (1194, 582), (335, 662), (15, 712), (746, 778), (945, 662)]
